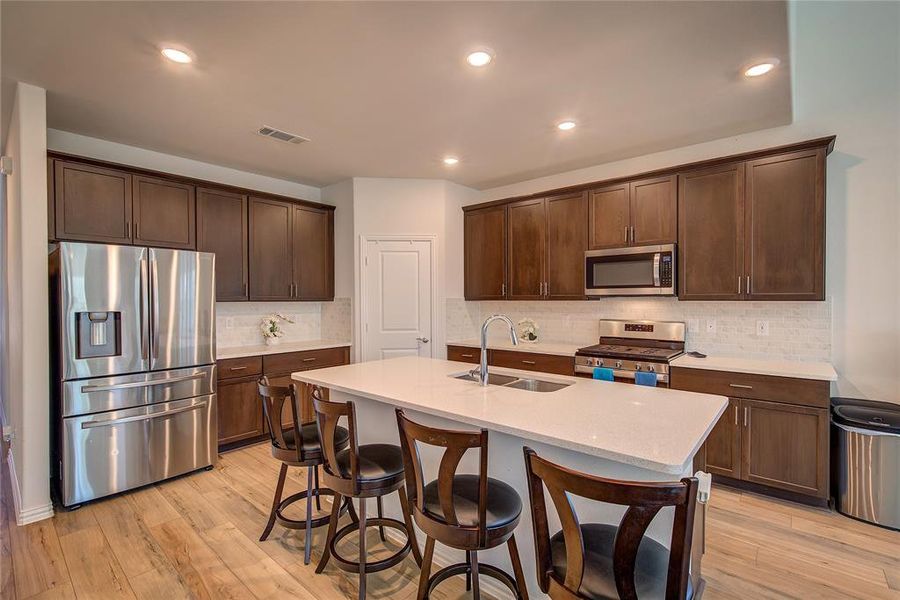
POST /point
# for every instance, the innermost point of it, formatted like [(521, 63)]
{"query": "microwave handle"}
[(656, 260)]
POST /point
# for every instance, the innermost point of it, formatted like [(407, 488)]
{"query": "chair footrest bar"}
[(301, 523), (371, 567), (463, 568)]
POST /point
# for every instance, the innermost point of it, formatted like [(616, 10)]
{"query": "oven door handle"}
[(656, 260)]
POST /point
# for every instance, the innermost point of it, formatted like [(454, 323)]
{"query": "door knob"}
[(424, 340)]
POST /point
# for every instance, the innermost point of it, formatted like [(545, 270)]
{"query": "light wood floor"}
[(196, 537)]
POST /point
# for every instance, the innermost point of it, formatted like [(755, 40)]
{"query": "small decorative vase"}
[(272, 341)]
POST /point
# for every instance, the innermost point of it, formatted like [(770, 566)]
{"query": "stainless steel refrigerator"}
[(133, 336)]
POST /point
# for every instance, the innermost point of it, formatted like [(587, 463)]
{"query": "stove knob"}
[(618, 364), (637, 366), (651, 368), (599, 362)]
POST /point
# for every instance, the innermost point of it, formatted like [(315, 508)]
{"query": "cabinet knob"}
[(424, 340)]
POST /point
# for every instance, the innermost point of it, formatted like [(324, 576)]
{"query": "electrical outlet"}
[(8, 433), (229, 322), (710, 326), (693, 325), (762, 328)]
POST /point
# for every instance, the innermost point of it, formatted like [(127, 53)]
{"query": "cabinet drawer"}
[(803, 392), (464, 354), (240, 367), (302, 361), (530, 361)]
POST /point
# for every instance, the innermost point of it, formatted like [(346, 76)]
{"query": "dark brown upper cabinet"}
[(635, 213), (93, 204), (484, 253), (313, 247), (164, 213), (785, 227), (222, 228), (711, 233), (566, 244), (527, 249), (271, 250)]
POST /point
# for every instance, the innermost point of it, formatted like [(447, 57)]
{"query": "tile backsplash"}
[(796, 330), (237, 323)]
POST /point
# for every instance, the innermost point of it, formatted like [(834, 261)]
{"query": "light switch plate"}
[(710, 326), (762, 328)]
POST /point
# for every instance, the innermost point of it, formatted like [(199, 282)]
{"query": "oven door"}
[(638, 271)]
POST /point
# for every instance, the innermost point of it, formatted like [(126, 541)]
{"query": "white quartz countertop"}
[(540, 347), (652, 428), (260, 349), (778, 368)]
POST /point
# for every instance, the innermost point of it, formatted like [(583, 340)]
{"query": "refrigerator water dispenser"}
[(98, 334)]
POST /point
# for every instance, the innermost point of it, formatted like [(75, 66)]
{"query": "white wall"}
[(846, 73), (73, 143), (25, 348)]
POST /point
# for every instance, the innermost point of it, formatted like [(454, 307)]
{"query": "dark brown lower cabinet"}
[(776, 441), (240, 412)]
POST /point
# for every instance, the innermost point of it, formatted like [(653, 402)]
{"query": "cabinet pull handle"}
[(137, 229), (739, 285), (632, 234), (626, 234), (244, 288), (128, 229), (748, 284), (503, 289), (547, 288), (238, 368), (528, 362), (735, 415), (746, 417), (309, 359), (740, 386), (467, 355)]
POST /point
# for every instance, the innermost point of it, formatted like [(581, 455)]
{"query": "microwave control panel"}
[(665, 270)]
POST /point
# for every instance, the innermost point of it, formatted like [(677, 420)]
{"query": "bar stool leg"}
[(279, 489), (517, 567), (425, 573), (332, 529), (476, 586), (410, 532), (380, 516), (316, 472), (468, 573), (309, 496), (362, 548)]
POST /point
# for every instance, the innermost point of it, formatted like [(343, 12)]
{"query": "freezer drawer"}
[(128, 391), (111, 452)]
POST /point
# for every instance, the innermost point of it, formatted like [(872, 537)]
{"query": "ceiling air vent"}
[(281, 136)]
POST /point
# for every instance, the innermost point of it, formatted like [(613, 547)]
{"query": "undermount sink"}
[(529, 385)]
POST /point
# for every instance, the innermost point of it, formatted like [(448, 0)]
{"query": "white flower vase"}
[(272, 341)]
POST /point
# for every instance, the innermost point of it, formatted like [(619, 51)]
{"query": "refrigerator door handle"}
[(144, 417), (154, 302), (145, 325), (87, 389)]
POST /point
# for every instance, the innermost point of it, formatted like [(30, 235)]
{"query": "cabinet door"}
[(527, 243), (785, 446), (566, 243), (723, 446), (711, 233), (240, 410), (654, 213), (484, 233), (313, 253), (271, 250), (164, 213), (93, 204), (609, 217), (222, 229), (785, 224)]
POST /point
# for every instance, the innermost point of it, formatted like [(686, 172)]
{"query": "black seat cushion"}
[(503, 503), (310, 435), (376, 462), (650, 568)]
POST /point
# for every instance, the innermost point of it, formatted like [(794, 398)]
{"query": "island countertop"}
[(651, 428)]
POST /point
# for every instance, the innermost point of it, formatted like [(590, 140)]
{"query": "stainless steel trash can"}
[(866, 460)]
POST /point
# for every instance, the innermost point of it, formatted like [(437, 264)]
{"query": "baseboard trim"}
[(30, 515)]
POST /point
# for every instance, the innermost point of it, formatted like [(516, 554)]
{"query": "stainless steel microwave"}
[(636, 271)]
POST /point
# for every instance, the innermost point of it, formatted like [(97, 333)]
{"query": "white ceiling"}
[(382, 89)]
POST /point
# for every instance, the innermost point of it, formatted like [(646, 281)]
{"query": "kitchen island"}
[(613, 430)]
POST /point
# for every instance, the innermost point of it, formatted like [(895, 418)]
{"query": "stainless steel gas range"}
[(627, 347)]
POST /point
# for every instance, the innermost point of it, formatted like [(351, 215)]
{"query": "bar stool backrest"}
[(273, 398), (644, 500), (455, 444), (328, 417)]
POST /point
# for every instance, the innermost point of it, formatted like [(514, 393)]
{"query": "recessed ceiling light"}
[(566, 125), (450, 160), (761, 68), (176, 55), (480, 58)]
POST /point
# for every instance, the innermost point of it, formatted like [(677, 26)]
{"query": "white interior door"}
[(397, 314)]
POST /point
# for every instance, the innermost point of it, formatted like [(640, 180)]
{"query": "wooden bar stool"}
[(466, 512), (368, 471), (297, 447), (592, 560)]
